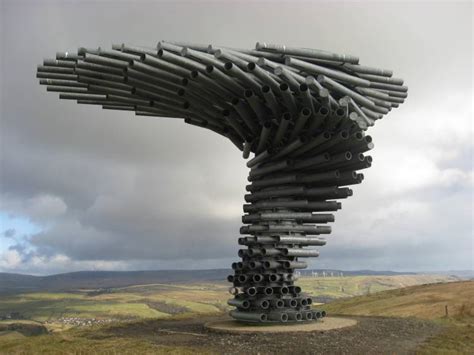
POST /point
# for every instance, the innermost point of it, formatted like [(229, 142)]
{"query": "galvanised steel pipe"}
[(306, 52), (307, 137)]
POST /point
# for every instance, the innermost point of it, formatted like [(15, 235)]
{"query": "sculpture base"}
[(325, 324)]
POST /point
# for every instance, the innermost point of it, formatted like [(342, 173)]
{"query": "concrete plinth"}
[(327, 323)]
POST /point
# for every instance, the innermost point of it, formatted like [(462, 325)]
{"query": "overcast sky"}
[(84, 188)]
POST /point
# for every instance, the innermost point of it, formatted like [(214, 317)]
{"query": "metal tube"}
[(246, 114), (181, 61), (361, 113), (232, 120), (304, 115), (373, 93), (119, 107), (264, 76), (232, 85), (371, 114), (342, 89), (160, 63), (51, 69), (319, 177), (367, 70), (291, 147), (157, 72), (102, 82), (382, 79), (301, 240), (257, 105), (316, 160), (271, 101), (63, 83), (195, 46), (246, 151), (244, 304), (68, 56), (302, 253), (249, 80), (205, 58), (269, 168), (390, 87), (45, 75), (66, 89), (88, 57), (278, 317), (259, 158), (287, 77), (136, 49), (313, 68), (210, 84), (98, 74), (289, 191), (79, 96), (118, 54), (248, 317), (316, 140), (306, 52), (307, 98), (288, 179), (282, 129), (288, 99), (229, 57), (264, 134)]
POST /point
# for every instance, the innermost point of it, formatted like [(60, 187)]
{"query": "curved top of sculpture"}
[(262, 99)]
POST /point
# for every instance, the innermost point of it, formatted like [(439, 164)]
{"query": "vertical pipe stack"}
[(302, 112)]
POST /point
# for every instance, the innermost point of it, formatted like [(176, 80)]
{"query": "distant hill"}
[(14, 283), (355, 272)]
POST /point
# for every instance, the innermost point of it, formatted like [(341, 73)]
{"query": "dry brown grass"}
[(425, 301)]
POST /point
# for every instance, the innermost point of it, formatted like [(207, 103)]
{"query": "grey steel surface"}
[(304, 114)]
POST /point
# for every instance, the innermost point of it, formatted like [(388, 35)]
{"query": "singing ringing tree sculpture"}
[(303, 112)]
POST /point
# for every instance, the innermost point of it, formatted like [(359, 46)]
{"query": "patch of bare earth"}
[(371, 335)]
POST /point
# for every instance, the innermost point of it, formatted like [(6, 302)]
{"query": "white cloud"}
[(10, 260)]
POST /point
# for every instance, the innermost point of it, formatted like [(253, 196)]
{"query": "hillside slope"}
[(423, 301), (426, 302)]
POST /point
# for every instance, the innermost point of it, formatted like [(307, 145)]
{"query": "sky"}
[(88, 189)]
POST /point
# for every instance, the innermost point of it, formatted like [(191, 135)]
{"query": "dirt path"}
[(372, 335)]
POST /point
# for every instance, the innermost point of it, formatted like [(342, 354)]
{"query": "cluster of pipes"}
[(302, 112)]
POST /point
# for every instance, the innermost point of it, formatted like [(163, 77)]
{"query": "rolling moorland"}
[(169, 316)]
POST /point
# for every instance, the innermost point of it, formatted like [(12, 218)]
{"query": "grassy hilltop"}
[(165, 301), (424, 302), (82, 319)]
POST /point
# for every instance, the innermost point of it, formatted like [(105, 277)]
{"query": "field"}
[(451, 305), (129, 318), (59, 311)]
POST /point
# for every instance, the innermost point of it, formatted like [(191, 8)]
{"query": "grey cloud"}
[(9, 233), (113, 190)]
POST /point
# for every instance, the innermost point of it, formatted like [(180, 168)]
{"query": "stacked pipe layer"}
[(304, 114)]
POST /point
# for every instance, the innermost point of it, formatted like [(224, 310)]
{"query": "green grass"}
[(114, 310), (129, 303)]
